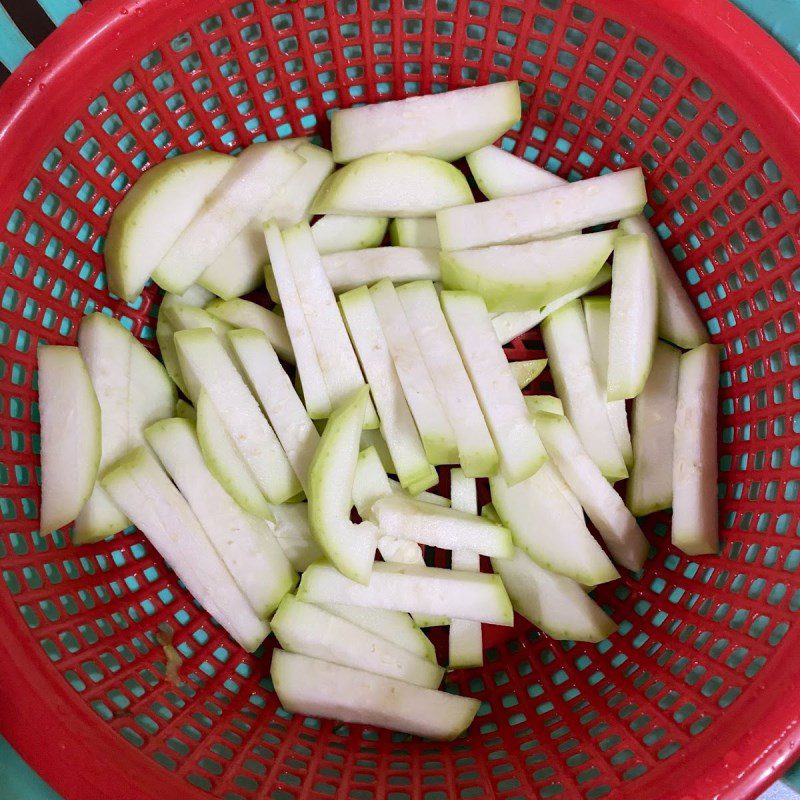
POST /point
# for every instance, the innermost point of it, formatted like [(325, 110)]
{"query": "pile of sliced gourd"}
[(376, 365)]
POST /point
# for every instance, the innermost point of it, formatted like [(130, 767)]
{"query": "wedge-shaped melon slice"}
[(623, 537), (350, 269), (374, 438), (71, 438), (446, 126), (397, 424), (394, 626), (244, 542), (225, 462), (695, 523), (293, 532), (393, 185), (546, 403), (520, 449), (526, 372), (335, 353), (554, 603), (312, 631), (634, 317), (330, 494), (134, 391), (402, 587), (476, 450), (258, 173), (284, 409), (152, 215), (510, 324), (446, 528), (650, 484), (544, 523), (246, 314), (315, 392), (597, 311), (319, 688), (239, 268), (523, 276), (426, 408), (678, 320), (205, 362), (544, 214), (335, 233), (141, 488), (414, 232), (499, 173), (566, 340)]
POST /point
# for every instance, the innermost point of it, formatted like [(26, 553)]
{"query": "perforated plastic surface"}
[(693, 697)]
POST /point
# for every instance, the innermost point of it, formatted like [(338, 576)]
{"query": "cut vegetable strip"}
[(650, 482), (429, 415), (447, 125), (695, 525), (567, 343), (334, 233), (414, 232), (402, 587), (184, 410), (141, 488), (245, 543), (543, 403), (634, 317), (502, 174), (312, 631), (318, 688), (521, 451), (554, 603), (351, 269), (526, 372), (397, 424), (245, 314), (678, 320), (544, 214), (617, 526), (293, 533)]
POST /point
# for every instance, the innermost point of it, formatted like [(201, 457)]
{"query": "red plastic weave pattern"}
[(693, 697)]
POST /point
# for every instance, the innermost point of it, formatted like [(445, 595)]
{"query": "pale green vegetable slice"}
[(502, 174), (414, 232), (543, 402), (695, 522), (393, 185), (520, 449), (244, 542), (141, 488), (71, 438), (350, 269), (335, 233), (554, 603), (525, 372), (318, 688), (246, 314), (293, 532), (374, 438), (184, 410)]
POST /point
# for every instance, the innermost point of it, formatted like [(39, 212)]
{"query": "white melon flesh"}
[(70, 435), (258, 173), (293, 533), (476, 450), (445, 528), (545, 525), (554, 603), (426, 408), (678, 320), (318, 688), (141, 488), (152, 215), (274, 390), (566, 341), (350, 269), (204, 358), (523, 276), (546, 403), (650, 483), (414, 232), (246, 314), (634, 318), (335, 233), (397, 424), (525, 372), (544, 214), (604, 507), (374, 438), (597, 311), (393, 185), (244, 542), (312, 631), (695, 522), (520, 449), (499, 173), (416, 589)]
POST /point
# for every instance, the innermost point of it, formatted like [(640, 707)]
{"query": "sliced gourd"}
[(350, 269), (246, 314), (414, 232), (335, 233), (499, 173)]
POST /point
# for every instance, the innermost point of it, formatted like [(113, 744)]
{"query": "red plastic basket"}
[(696, 696)]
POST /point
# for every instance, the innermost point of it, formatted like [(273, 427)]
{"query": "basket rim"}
[(76, 755)]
